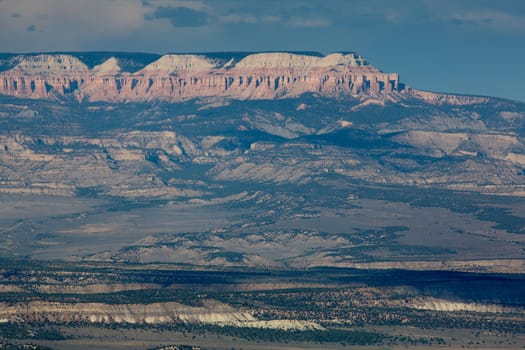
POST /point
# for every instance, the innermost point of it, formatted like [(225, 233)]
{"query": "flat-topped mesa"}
[(172, 64), (49, 64), (277, 60), (290, 60), (41, 76), (178, 77), (339, 59)]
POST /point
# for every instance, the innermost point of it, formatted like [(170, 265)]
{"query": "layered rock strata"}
[(182, 77), (211, 312)]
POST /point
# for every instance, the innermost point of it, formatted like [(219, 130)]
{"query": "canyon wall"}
[(183, 77)]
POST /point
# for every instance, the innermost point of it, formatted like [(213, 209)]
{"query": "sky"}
[(459, 46)]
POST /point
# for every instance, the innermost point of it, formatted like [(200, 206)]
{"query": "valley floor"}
[(101, 338)]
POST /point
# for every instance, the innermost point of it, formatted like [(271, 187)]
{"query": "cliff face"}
[(182, 77), (211, 312)]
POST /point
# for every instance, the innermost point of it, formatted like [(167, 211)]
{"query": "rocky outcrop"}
[(489, 265), (436, 304), (92, 162), (37, 311), (211, 312), (182, 77)]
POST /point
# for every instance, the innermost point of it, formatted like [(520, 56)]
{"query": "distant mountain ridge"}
[(292, 160), (134, 122), (115, 77), (138, 59)]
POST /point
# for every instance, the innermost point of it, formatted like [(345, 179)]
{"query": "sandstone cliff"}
[(211, 312), (185, 76)]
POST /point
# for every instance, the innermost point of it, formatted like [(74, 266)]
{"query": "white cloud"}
[(236, 18), (192, 4), (100, 15), (495, 15), (270, 19), (301, 22), (248, 18), (65, 24), (489, 19)]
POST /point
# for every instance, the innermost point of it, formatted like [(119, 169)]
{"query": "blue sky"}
[(464, 46)]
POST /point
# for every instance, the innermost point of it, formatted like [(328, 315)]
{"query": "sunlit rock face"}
[(186, 76), (211, 312)]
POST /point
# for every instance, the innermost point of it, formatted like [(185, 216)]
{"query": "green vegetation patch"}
[(26, 331)]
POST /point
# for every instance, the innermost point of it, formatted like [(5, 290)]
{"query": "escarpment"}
[(186, 76), (211, 312)]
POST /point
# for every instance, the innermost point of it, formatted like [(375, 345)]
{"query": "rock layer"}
[(211, 312), (182, 77)]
